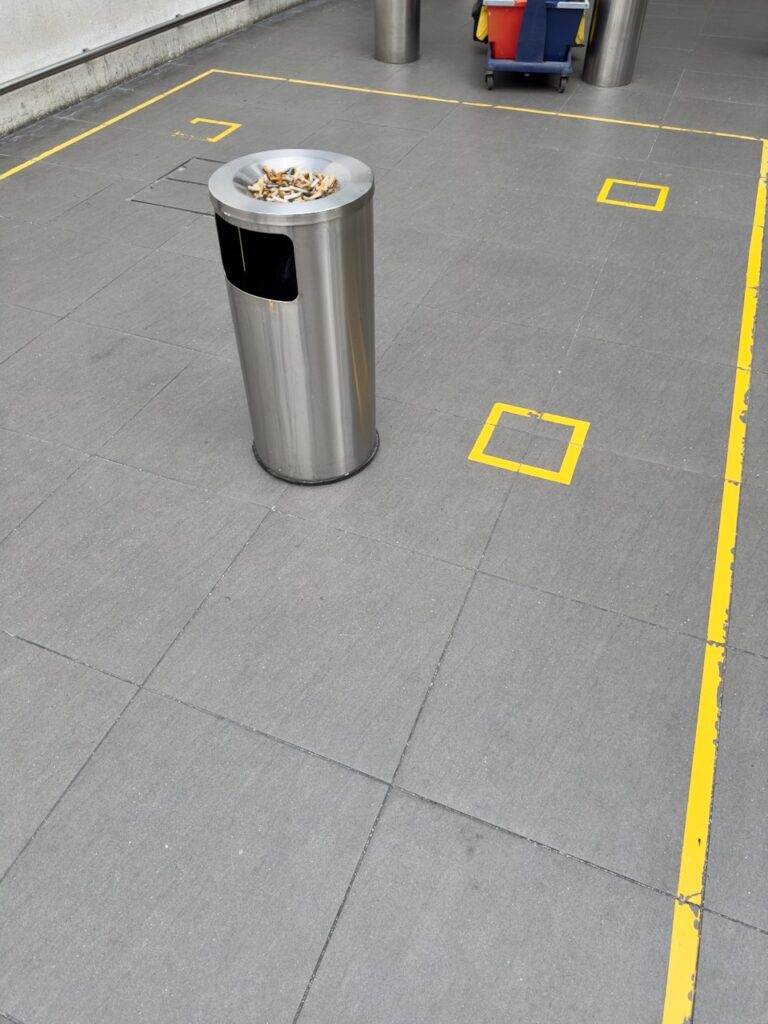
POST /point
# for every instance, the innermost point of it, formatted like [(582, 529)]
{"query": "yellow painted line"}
[(360, 89), (100, 127), (231, 126), (247, 74), (706, 131), (374, 92), (657, 207), (686, 920), (563, 475)]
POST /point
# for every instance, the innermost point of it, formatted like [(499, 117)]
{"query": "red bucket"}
[(504, 29)]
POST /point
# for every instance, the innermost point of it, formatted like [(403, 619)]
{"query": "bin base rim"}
[(325, 480)]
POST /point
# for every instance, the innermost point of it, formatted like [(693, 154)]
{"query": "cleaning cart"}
[(533, 37)]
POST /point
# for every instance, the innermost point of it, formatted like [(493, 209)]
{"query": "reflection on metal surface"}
[(613, 42), (397, 25)]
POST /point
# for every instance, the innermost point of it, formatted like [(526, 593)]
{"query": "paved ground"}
[(415, 747)]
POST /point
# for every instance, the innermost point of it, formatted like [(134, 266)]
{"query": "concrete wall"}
[(37, 33)]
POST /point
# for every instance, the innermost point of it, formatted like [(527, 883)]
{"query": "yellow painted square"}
[(563, 475), (661, 198)]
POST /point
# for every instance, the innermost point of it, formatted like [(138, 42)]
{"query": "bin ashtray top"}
[(228, 188)]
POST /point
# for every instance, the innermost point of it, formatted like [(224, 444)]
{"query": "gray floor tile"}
[(715, 86), (192, 874), (716, 115), (611, 140), (582, 174), (756, 455), (77, 384), (182, 196), (744, 22), (198, 170), (516, 285), (737, 865), (675, 315), (453, 921), (376, 145), (359, 70), (197, 239), (123, 150), (408, 260), (648, 106), (420, 492), (197, 430), (658, 69), (322, 638), (110, 214), (463, 365), (535, 169), (660, 408), (707, 152), (29, 471), (18, 326), (41, 192), (743, 57), (465, 126), (220, 97), (52, 271), (54, 714), (405, 204), (704, 193), (281, 124), (732, 981), (749, 623), (40, 137), (169, 297), (513, 731), (674, 244), (674, 33), (552, 223), (392, 314), (111, 566), (397, 112), (626, 535)]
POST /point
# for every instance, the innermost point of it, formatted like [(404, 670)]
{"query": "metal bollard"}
[(613, 42), (397, 30)]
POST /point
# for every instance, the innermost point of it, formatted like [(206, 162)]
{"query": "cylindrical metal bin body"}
[(397, 30), (613, 42), (306, 348)]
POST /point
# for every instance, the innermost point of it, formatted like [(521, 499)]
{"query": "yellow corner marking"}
[(685, 940), (231, 126), (563, 475), (100, 127), (657, 207)]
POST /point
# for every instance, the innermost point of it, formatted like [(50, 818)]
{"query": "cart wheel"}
[(489, 80), (563, 83)]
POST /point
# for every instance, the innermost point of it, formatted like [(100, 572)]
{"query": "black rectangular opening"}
[(257, 262)]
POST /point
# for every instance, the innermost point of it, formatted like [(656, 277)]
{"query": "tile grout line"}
[(50, 494), (67, 657), (138, 690), (392, 784), (67, 788)]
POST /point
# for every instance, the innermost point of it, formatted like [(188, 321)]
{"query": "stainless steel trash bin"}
[(300, 283), (397, 29)]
